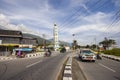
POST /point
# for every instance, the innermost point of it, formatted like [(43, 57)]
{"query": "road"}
[(104, 69), (43, 68)]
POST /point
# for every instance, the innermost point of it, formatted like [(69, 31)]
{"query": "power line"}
[(69, 19), (107, 29), (74, 21)]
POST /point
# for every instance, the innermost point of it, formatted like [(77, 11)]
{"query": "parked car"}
[(87, 55)]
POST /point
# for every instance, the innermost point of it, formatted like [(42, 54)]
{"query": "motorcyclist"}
[(49, 52)]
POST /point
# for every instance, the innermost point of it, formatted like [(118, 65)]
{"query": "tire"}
[(93, 61)]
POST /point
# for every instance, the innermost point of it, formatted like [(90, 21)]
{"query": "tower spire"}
[(55, 34)]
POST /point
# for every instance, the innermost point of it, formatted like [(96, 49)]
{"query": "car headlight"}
[(94, 56), (83, 56)]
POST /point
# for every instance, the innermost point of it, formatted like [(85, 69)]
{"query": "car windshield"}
[(86, 52)]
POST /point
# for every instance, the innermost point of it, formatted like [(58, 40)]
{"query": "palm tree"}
[(107, 43)]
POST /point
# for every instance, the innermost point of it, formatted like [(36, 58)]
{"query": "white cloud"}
[(40, 17), (116, 2), (3, 19), (98, 25)]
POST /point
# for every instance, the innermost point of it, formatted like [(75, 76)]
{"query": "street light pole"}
[(44, 42), (73, 41)]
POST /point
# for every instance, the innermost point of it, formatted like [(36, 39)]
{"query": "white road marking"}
[(106, 67), (33, 64)]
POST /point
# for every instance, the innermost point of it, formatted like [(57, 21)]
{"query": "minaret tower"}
[(55, 34)]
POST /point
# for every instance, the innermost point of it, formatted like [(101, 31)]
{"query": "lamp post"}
[(44, 42), (73, 41)]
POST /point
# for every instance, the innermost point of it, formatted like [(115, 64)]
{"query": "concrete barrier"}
[(39, 54), (111, 57), (35, 55), (68, 70)]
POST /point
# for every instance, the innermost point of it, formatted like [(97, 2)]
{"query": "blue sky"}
[(87, 19)]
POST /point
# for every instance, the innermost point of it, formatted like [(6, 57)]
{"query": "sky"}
[(89, 20)]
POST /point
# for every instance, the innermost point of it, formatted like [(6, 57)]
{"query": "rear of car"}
[(87, 55)]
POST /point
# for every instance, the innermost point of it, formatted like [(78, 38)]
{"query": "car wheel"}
[(93, 61)]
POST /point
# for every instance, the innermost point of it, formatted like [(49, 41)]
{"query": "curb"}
[(68, 70), (34, 55), (111, 57), (7, 58), (26, 56)]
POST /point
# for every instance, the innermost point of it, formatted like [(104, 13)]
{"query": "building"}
[(28, 42), (10, 39), (55, 34)]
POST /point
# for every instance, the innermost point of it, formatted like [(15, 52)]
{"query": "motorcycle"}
[(47, 54), (99, 57)]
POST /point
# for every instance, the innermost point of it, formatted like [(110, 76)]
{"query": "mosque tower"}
[(55, 34)]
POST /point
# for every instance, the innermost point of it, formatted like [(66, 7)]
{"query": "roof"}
[(10, 33)]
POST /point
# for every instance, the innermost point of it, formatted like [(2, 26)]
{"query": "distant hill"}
[(61, 42), (40, 40)]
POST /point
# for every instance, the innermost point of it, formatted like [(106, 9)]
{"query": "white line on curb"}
[(68, 67), (106, 67), (67, 71), (67, 78)]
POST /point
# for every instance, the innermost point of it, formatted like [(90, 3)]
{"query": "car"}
[(87, 55), (63, 50)]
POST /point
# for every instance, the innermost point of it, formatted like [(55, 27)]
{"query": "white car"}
[(87, 55)]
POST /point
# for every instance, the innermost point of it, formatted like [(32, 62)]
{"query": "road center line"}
[(106, 67), (33, 64)]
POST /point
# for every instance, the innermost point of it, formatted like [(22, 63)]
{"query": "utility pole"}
[(95, 42), (73, 41), (44, 41)]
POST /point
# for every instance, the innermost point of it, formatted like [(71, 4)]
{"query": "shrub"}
[(115, 51)]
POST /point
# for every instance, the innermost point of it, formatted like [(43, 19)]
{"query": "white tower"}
[(55, 34)]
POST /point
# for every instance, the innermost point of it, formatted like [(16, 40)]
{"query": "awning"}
[(23, 49), (9, 44)]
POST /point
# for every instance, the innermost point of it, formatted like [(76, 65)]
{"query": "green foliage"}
[(74, 45), (107, 43), (115, 51)]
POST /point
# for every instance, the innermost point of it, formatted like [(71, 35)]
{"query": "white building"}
[(55, 34)]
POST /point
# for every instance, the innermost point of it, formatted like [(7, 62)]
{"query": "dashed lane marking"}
[(33, 64), (106, 67)]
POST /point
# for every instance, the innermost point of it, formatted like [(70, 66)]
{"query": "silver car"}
[(87, 54)]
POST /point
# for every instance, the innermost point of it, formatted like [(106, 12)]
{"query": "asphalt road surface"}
[(104, 69), (43, 68)]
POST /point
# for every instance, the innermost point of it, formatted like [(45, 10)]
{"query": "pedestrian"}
[(19, 53)]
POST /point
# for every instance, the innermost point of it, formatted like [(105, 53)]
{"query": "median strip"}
[(68, 70)]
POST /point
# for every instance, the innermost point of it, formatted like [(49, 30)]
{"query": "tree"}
[(74, 44), (107, 43), (87, 46), (93, 46)]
